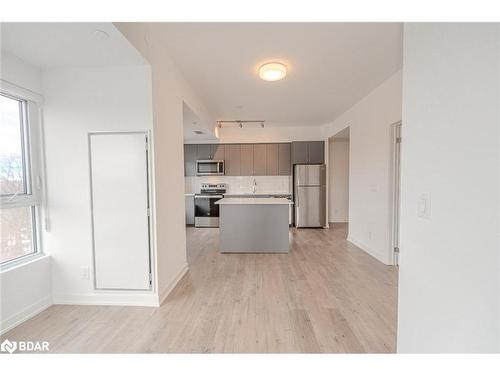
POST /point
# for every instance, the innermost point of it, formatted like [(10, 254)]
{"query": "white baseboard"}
[(106, 298), (166, 291), (374, 253), (25, 314)]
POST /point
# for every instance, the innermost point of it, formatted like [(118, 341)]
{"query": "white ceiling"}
[(331, 66), (49, 45), (191, 124)]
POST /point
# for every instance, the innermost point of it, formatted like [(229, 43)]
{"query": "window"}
[(20, 197)]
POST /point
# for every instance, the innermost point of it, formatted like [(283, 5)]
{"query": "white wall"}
[(170, 90), (271, 133), (338, 175), (370, 155), (449, 274), (24, 290), (77, 101)]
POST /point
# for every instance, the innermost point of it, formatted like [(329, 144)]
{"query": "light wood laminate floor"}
[(326, 295)]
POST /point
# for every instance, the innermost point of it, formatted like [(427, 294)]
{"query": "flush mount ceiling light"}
[(273, 71)]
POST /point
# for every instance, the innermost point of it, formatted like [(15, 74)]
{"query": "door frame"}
[(395, 199), (151, 208)]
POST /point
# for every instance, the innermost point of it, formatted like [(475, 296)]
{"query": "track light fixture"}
[(240, 122)]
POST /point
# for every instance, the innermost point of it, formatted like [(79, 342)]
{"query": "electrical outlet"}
[(85, 272), (370, 235)]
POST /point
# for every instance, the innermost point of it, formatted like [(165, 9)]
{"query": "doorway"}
[(338, 178)]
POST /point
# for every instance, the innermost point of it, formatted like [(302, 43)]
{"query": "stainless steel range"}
[(206, 212)]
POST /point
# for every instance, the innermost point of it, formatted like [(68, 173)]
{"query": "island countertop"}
[(254, 201)]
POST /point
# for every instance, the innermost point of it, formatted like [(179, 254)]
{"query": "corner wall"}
[(25, 290), (170, 90), (449, 268), (78, 101), (370, 153)]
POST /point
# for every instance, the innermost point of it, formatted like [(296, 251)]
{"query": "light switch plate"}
[(424, 206)]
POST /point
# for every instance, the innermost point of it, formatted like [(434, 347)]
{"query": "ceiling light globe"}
[(272, 71)]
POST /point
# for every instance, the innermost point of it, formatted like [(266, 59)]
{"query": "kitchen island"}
[(253, 225)]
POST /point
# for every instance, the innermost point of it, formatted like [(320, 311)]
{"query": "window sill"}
[(18, 263)]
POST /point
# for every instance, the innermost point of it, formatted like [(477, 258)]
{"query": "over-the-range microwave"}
[(209, 167)]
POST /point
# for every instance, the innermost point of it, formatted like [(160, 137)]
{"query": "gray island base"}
[(253, 225)]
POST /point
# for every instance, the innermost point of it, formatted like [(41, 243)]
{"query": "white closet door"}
[(119, 184)]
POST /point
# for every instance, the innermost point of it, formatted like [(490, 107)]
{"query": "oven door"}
[(206, 212)]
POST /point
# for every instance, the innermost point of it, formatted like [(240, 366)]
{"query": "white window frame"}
[(34, 168)]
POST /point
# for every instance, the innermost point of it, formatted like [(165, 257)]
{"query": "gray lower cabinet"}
[(189, 209), (190, 155), (246, 168), (260, 160), (284, 159), (232, 160), (272, 159), (308, 152)]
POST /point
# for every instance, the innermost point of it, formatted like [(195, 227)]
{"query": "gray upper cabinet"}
[(190, 155), (272, 157), (300, 155), (316, 152), (217, 152), (232, 160), (246, 168), (204, 152), (260, 160), (308, 152), (284, 159)]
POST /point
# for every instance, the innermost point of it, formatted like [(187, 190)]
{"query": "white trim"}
[(25, 314), (170, 286), (21, 261), (18, 91), (107, 299), (395, 180), (381, 257)]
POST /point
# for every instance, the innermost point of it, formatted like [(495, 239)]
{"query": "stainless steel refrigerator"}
[(310, 195)]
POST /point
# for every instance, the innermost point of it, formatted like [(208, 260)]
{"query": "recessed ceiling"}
[(330, 66), (78, 44)]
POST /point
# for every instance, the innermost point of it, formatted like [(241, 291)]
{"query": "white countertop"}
[(254, 201)]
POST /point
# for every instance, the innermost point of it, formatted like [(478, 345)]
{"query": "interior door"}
[(120, 210)]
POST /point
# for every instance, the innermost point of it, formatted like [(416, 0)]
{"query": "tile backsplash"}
[(243, 184)]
